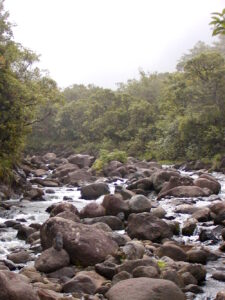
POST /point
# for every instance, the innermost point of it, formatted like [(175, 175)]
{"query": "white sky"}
[(106, 41)]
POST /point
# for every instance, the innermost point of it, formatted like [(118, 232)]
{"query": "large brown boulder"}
[(212, 185), (64, 170), (77, 177), (160, 177), (15, 287), (146, 226), (114, 204), (172, 251), (85, 244), (92, 210), (185, 191), (145, 289), (81, 160), (94, 190), (139, 204), (62, 207), (174, 182), (51, 260)]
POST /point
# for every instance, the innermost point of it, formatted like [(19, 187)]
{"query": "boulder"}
[(15, 287), (123, 275), (220, 296), (139, 204), (146, 226), (145, 289), (34, 194), (134, 250), (69, 216), (20, 257), (94, 190), (173, 182), (81, 160), (51, 260), (114, 204), (64, 170), (185, 191), (92, 210), (85, 244), (49, 157), (62, 207), (189, 227), (159, 177), (212, 185), (130, 265), (202, 214), (112, 221), (143, 271), (197, 256), (143, 184), (172, 251), (77, 177), (197, 270)]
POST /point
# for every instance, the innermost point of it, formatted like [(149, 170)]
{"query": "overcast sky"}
[(106, 41)]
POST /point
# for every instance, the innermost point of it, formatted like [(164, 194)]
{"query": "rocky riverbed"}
[(136, 231)]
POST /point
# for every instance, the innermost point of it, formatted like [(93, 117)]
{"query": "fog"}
[(103, 42)]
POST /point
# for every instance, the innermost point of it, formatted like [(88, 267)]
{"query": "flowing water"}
[(34, 212)]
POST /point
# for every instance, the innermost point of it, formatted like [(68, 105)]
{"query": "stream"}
[(27, 212)]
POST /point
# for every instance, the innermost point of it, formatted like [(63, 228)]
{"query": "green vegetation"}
[(161, 264), (170, 116), (218, 21), (105, 157), (23, 90)]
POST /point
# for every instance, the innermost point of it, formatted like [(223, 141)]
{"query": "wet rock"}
[(220, 296), (188, 278), (62, 207), (173, 182), (189, 227), (16, 287), (51, 260), (223, 233), (81, 160), (142, 271), (77, 177), (84, 282), (49, 191), (92, 210), (212, 185), (134, 250), (173, 276), (197, 256), (172, 251), (85, 245), (125, 193), (146, 226), (186, 209), (123, 275), (139, 204), (24, 232), (45, 182), (197, 270), (130, 265), (145, 289), (114, 204), (94, 190), (113, 222), (158, 212), (20, 257), (206, 235), (219, 275), (159, 177), (185, 191), (67, 272), (144, 184), (106, 269), (69, 216), (193, 288), (34, 194), (202, 214)]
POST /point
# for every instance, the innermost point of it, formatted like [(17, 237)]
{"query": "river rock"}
[(173, 276), (219, 275), (106, 269), (62, 207), (143, 184), (77, 177), (160, 177), (173, 182), (85, 245), (172, 251), (197, 270), (94, 190), (220, 295), (64, 170), (185, 191), (130, 265), (114, 204), (92, 210), (202, 214), (69, 216), (112, 221), (24, 232), (34, 194), (20, 257), (145, 226), (189, 227), (134, 250), (123, 275), (142, 271), (15, 287), (212, 185), (145, 289), (139, 204), (51, 260), (197, 256), (81, 160)]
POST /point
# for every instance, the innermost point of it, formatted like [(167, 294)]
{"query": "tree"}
[(218, 22)]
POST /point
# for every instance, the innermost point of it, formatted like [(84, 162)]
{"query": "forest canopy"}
[(164, 116)]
